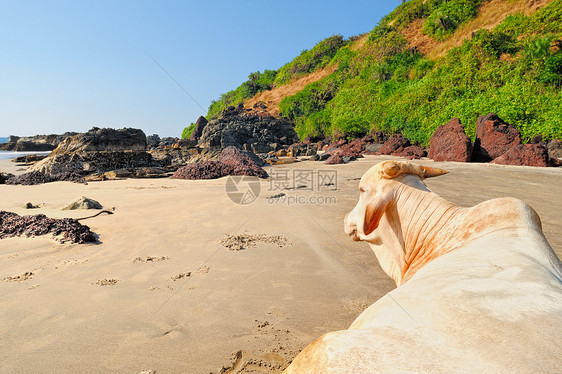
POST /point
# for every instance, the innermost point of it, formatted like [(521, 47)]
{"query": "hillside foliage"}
[(514, 70)]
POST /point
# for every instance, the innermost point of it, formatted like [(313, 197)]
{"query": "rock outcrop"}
[(93, 162), (199, 127), (410, 152), (555, 148), (38, 143), (233, 161), (450, 143), (256, 133), (395, 143), (527, 155), (97, 140), (36, 177), (494, 137)]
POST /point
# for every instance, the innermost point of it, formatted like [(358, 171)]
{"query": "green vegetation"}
[(514, 70), (308, 61), (447, 16), (257, 82), (186, 133)]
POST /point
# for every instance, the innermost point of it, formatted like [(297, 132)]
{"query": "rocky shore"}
[(107, 154)]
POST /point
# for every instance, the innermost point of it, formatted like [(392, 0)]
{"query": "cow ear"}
[(373, 213)]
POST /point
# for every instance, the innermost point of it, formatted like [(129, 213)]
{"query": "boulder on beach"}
[(248, 131), (4, 177), (82, 203), (199, 126), (494, 137), (393, 144), (450, 143), (410, 152), (37, 177), (233, 161), (93, 162), (106, 139), (526, 155)]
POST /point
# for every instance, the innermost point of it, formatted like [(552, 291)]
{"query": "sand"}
[(160, 292)]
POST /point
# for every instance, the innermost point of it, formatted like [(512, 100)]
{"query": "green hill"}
[(424, 63)]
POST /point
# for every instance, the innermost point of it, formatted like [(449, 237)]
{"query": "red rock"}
[(335, 159), (393, 144), (411, 152), (525, 155), (233, 162), (241, 163), (450, 143), (494, 137)]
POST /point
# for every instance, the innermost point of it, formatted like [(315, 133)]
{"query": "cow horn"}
[(392, 169)]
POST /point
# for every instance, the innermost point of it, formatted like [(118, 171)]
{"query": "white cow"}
[(479, 289)]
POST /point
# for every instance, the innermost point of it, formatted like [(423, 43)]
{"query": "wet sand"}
[(160, 292)]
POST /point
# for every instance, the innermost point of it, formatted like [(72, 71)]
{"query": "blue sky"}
[(71, 65)]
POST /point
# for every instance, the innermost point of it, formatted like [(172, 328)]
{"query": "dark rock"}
[(30, 206), (261, 148), (348, 159), (27, 146), (555, 148), (4, 177), (93, 162), (494, 137), (66, 229), (450, 143), (393, 144), (526, 155), (240, 129), (37, 143), (379, 136), (97, 139), (321, 157), (153, 141), (28, 159), (372, 148), (36, 177), (199, 126), (537, 139)]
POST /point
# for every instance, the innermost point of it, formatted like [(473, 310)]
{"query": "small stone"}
[(83, 203)]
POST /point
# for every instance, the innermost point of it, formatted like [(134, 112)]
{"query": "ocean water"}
[(3, 140), (8, 155)]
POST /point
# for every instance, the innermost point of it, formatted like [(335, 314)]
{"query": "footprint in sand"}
[(151, 259), (181, 276), (107, 282), (19, 278), (244, 362)]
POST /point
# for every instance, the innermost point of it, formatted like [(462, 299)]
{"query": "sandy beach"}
[(160, 292)]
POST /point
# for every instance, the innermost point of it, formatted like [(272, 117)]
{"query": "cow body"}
[(480, 289)]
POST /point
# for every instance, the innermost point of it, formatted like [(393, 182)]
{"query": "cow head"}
[(373, 220)]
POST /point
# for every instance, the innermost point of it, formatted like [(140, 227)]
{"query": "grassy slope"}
[(513, 69)]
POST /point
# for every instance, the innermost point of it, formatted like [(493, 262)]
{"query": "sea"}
[(8, 155)]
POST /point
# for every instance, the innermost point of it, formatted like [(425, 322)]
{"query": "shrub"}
[(309, 61), (186, 133), (448, 16)]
